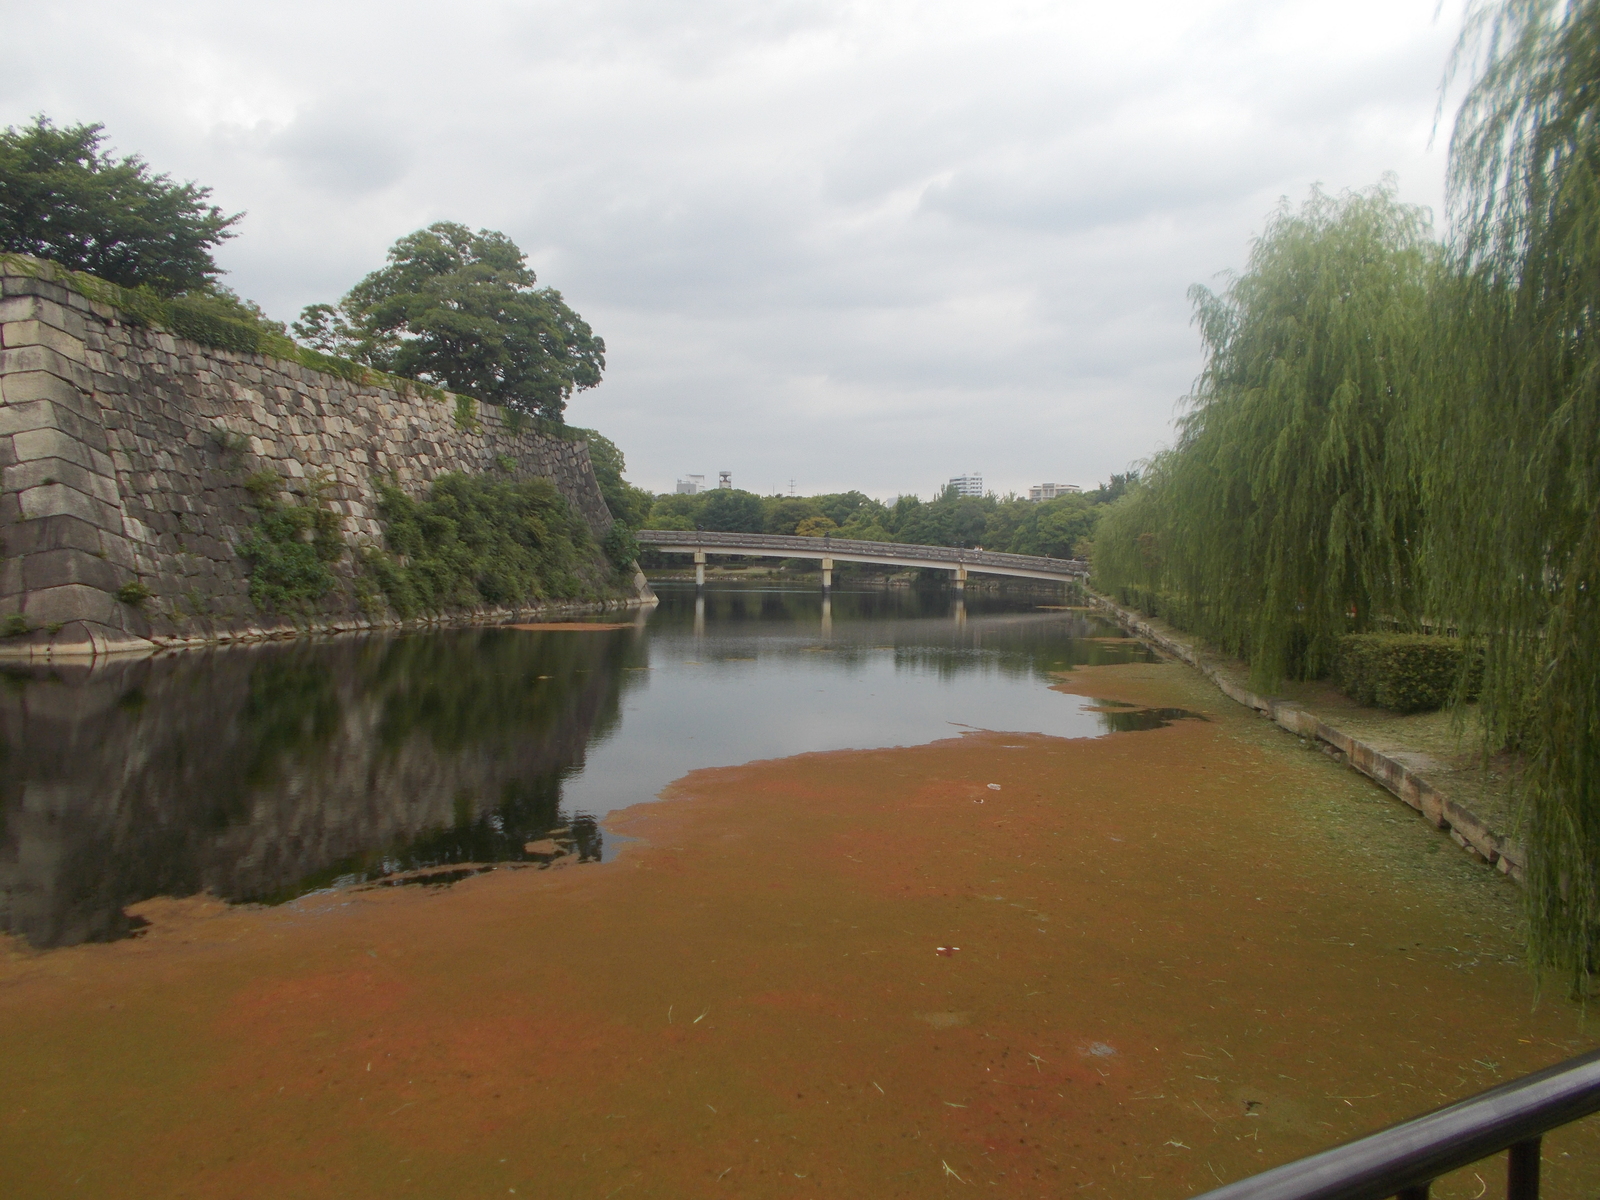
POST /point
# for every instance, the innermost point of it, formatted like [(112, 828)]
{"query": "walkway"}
[(831, 550)]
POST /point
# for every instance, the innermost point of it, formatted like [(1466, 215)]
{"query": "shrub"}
[(476, 540), (133, 592), (1404, 672), (291, 548)]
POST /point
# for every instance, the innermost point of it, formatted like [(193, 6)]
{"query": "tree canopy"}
[(65, 199), (461, 310)]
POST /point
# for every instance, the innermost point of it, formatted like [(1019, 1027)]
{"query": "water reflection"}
[(260, 773)]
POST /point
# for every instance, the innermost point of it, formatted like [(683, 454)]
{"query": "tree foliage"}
[(1288, 484), (65, 199), (462, 311), (1517, 439), (1384, 430)]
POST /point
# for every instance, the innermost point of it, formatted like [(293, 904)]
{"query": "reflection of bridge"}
[(831, 550)]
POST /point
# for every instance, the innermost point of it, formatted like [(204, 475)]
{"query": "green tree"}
[(461, 310), (1514, 556), (628, 504), (818, 526), (730, 510), (1288, 502), (784, 513), (64, 198)]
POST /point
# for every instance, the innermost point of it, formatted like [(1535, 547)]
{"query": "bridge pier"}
[(699, 568), (960, 583), (827, 573)]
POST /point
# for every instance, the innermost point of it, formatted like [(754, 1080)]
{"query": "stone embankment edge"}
[(1465, 828)]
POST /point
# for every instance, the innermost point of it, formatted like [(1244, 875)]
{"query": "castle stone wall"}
[(123, 456)]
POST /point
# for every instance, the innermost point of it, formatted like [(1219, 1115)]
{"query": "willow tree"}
[(1515, 485), (1286, 512)]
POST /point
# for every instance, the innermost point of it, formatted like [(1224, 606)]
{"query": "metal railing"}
[(819, 547), (1405, 1159)]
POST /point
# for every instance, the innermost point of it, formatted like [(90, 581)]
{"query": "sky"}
[(846, 244)]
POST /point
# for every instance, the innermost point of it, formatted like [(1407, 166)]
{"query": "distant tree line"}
[(1059, 528), (1392, 431)]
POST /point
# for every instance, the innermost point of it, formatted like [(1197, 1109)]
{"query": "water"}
[(263, 773)]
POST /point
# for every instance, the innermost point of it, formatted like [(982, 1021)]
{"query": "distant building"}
[(692, 486), (968, 485), (1049, 491), (724, 479)]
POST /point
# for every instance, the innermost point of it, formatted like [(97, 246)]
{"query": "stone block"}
[(32, 414), (36, 357), (33, 444), (11, 578), (119, 552), (20, 309), (72, 602), (57, 568), (59, 500), (41, 472), (23, 285)]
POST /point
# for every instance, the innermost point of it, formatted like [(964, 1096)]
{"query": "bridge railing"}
[(819, 547), (1405, 1159)]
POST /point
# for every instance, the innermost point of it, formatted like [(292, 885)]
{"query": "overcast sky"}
[(867, 245)]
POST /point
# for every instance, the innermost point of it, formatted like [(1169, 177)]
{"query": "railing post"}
[(1522, 1171)]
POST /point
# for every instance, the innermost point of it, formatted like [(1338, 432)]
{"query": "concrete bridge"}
[(831, 550)]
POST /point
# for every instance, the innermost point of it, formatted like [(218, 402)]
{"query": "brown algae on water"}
[(1186, 953)]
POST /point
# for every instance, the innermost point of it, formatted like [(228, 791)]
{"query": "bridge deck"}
[(948, 558)]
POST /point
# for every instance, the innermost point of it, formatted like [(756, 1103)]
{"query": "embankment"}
[(124, 453), (1466, 828)]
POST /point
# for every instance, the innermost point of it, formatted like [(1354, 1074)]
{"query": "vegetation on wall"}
[(477, 541), (293, 546)]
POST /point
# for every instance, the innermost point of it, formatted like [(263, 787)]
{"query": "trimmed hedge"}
[(1404, 672)]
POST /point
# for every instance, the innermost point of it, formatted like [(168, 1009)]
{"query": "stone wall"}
[(123, 455)]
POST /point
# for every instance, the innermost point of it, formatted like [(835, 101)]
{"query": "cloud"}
[(858, 243)]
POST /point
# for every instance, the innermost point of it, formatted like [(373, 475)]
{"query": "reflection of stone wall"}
[(122, 456), (245, 769)]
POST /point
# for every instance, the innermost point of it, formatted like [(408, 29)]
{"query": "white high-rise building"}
[(968, 485), (692, 486)]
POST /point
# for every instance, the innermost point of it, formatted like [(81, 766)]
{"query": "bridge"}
[(830, 550)]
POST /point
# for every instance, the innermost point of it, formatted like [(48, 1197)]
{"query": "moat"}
[(752, 896)]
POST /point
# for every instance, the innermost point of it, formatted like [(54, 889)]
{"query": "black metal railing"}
[(1405, 1159)]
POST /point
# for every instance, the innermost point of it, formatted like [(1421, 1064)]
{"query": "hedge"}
[(1404, 672)]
